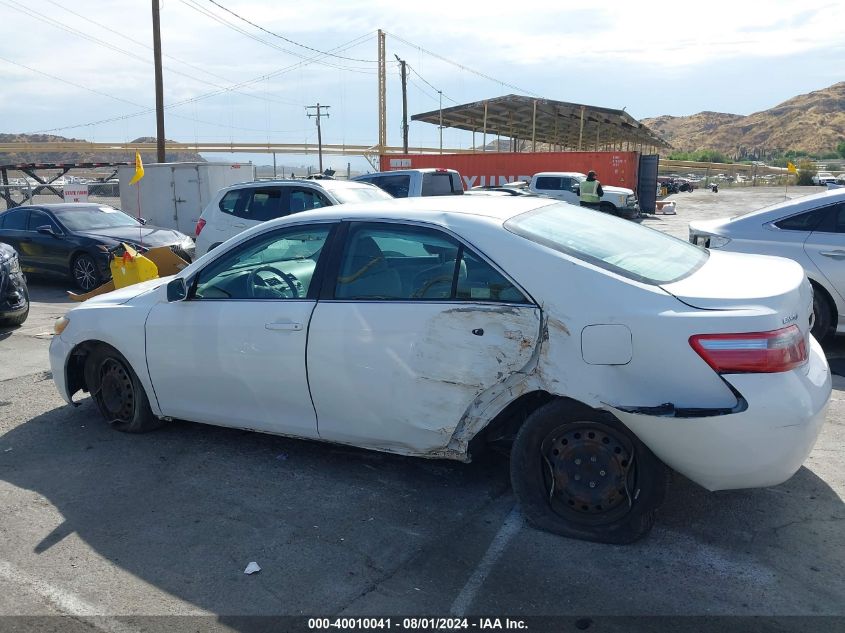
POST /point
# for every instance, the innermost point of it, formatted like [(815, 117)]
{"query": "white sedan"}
[(809, 230), (601, 350)]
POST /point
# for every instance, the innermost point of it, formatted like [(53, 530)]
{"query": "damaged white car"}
[(602, 351)]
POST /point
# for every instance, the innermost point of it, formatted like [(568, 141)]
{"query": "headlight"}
[(717, 241), (60, 325)]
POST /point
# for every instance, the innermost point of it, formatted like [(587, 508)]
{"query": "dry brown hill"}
[(81, 157), (813, 122)]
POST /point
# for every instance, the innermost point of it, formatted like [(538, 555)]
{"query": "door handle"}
[(296, 327), (833, 254)]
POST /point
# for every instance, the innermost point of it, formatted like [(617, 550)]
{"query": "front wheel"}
[(84, 271), (581, 473), (119, 394)]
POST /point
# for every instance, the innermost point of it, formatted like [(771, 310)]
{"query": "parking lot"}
[(99, 523)]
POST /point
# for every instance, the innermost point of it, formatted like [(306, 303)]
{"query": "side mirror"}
[(142, 220), (176, 290), (47, 229)]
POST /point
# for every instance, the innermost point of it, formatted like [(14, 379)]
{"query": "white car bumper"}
[(764, 445), (59, 352)]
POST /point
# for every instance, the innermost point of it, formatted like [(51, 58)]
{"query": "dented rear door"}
[(399, 376), (414, 329)]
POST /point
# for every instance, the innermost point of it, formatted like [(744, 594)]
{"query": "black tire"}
[(119, 394), (84, 272), (608, 207), (15, 320), (623, 482), (822, 315)]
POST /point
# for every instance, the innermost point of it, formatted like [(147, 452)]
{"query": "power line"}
[(132, 103), (429, 84), (317, 59), (465, 68), (290, 41)]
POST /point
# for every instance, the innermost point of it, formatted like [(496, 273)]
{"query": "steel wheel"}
[(117, 393), (85, 273), (589, 472)]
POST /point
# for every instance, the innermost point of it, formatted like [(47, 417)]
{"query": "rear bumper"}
[(763, 445)]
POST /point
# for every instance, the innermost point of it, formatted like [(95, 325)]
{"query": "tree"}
[(806, 171), (841, 148)]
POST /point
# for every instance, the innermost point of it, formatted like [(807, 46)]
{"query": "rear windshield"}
[(440, 184), (359, 194), (618, 245)]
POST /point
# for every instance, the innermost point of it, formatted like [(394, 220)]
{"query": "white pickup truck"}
[(565, 185), (410, 183)]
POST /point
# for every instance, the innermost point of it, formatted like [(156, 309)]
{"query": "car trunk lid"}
[(736, 281)]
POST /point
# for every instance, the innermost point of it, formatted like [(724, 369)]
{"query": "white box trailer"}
[(173, 195)]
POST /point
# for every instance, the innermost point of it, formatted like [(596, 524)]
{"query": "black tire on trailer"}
[(580, 473), (822, 315), (118, 393), (84, 272)]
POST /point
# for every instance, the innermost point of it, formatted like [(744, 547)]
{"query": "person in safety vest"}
[(591, 192)]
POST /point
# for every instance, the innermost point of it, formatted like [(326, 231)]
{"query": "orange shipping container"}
[(496, 168)]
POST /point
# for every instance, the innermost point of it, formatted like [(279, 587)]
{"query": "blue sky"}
[(651, 58)]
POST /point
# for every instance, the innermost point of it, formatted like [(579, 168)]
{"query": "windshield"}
[(620, 246), (90, 218), (360, 194)]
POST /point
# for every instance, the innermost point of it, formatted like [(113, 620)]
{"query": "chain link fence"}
[(27, 192)]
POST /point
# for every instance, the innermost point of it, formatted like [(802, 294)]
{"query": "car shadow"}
[(186, 508)]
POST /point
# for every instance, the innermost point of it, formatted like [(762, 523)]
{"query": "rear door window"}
[(40, 218), (233, 201), (15, 220), (551, 183), (397, 186), (807, 221)]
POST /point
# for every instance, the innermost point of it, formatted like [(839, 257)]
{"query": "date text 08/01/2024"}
[(416, 624)]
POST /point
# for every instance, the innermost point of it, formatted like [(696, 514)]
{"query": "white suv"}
[(239, 207), (565, 185)]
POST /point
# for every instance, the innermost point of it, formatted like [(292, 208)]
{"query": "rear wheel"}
[(119, 394), (84, 272), (822, 315), (580, 473)]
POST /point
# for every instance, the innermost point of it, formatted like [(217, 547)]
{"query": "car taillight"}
[(200, 226), (753, 352)]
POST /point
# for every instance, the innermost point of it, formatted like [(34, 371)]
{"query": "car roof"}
[(58, 206), (558, 173), (320, 183), (794, 205), (435, 209), (401, 172)]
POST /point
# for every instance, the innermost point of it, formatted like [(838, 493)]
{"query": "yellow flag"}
[(139, 169), (789, 167)]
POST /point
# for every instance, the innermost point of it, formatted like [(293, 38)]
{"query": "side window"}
[(569, 184), (552, 183), (278, 265), (481, 282), (833, 219), (397, 186), (40, 218), (395, 262), (232, 201), (15, 220), (437, 184), (839, 218), (386, 261), (262, 204), (304, 199), (807, 221)]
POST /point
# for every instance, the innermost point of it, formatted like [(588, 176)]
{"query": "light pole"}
[(317, 116)]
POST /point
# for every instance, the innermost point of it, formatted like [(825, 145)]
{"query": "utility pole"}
[(404, 104), (440, 127), (317, 116), (382, 95), (159, 83)]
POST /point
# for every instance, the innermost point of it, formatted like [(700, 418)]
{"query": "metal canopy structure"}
[(556, 124)]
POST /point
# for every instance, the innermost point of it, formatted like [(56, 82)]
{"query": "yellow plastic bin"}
[(131, 268)]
